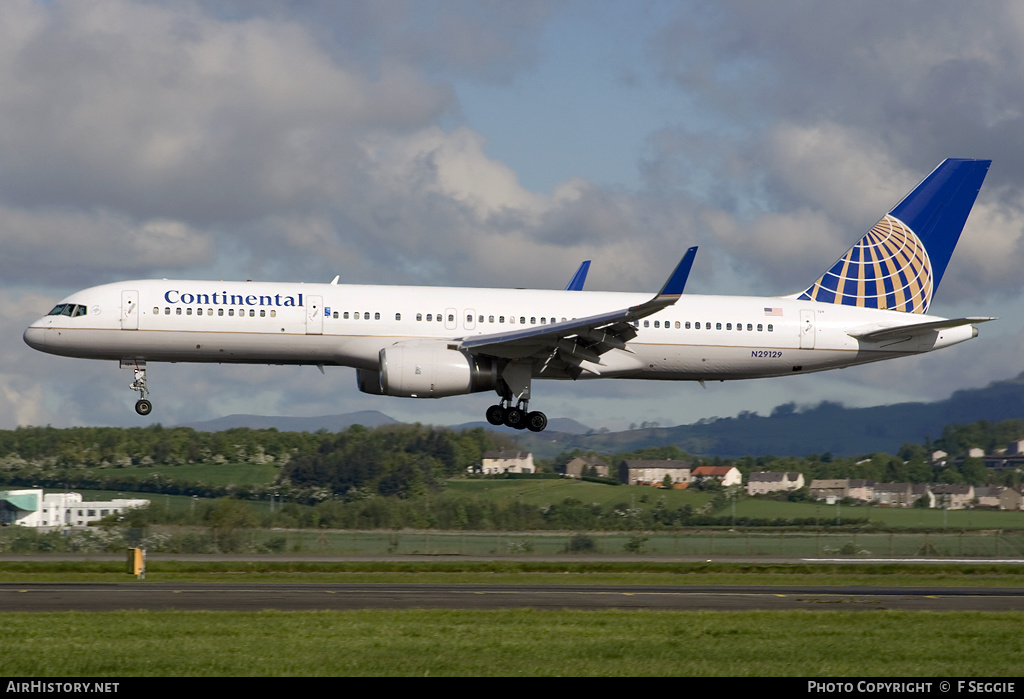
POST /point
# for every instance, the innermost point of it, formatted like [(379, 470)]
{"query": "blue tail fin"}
[(899, 263)]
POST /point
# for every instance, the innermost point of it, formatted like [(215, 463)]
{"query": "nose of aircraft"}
[(35, 337)]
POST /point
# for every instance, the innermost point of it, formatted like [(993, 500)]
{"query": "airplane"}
[(432, 342)]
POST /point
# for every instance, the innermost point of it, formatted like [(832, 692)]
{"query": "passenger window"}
[(156, 311), (177, 311), (451, 317), (647, 323), (376, 316), (398, 316), (273, 313), (481, 319), (533, 320), (469, 318), (167, 311), (252, 312), (543, 320), (687, 325), (199, 311), (366, 315), (419, 316), (220, 311), (231, 312), (760, 328), (718, 326), (749, 327), (490, 319), (677, 325), (263, 314), (728, 326), (430, 317), (770, 328), (501, 319), (522, 320)]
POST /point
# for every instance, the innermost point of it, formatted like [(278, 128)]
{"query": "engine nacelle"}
[(413, 371), (368, 381)]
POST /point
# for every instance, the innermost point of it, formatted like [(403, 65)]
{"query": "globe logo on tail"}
[(888, 269)]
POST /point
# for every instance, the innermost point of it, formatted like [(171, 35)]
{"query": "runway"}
[(100, 597)]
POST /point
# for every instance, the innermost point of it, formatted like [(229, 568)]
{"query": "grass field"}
[(514, 642), (832, 643)]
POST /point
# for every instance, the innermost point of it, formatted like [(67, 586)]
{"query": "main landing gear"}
[(517, 417), (514, 385), (142, 406)]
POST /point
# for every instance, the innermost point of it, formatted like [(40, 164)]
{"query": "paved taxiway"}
[(24, 597)]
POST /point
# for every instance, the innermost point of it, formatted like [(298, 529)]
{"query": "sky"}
[(493, 143)]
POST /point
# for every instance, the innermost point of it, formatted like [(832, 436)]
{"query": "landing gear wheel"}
[(536, 421), (143, 407), (515, 418), (496, 415)]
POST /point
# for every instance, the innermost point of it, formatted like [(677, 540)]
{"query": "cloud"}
[(303, 140)]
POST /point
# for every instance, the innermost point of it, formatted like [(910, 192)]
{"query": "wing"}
[(580, 278), (568, 344)]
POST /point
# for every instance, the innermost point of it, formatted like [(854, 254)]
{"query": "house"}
[(829, 489), (653, 472), (952, 496), (726, 475), (1010, 499), (587, 465), (497, 462), (772, 481), (1015, 448), (894, 494), (33, 508), (860, 489), (922, 490), (987, 496)]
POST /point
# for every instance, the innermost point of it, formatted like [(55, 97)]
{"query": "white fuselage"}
[(698, 338)]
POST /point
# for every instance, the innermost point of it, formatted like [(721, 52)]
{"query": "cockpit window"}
[(68, 309)]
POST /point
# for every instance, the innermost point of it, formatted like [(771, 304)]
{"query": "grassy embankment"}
[(514, 642)]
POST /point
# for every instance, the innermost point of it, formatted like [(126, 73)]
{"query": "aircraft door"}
[(806, 329), (314, 315), (129, 310)]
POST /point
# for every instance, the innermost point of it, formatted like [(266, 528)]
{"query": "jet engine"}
[(429, 372)]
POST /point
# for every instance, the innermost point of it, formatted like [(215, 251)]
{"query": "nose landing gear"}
[(143, 406)]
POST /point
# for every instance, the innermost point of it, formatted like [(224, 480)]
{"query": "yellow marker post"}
[(137, 563)]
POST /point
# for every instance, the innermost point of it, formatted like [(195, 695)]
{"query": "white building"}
[(771, 481), (33, 508), (498, 462)]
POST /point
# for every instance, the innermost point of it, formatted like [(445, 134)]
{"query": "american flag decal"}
[(773, 311)]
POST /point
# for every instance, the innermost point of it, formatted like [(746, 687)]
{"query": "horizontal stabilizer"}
[(876, 332)]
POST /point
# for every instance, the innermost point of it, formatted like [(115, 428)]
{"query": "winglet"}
[(579, 278), (674, 285)]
